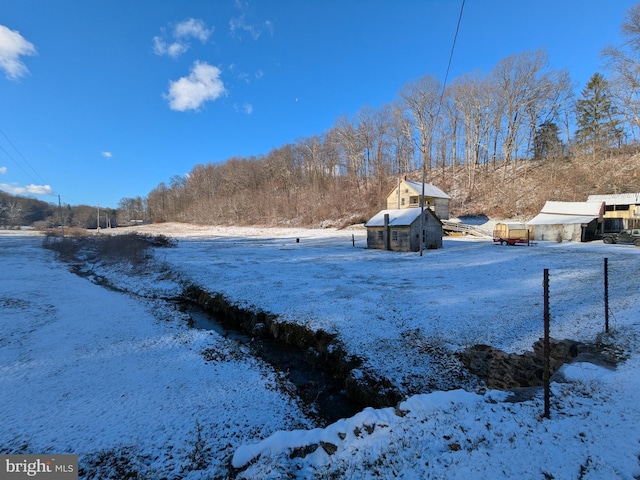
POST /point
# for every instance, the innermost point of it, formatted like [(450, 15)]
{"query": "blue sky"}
[(105, 99)]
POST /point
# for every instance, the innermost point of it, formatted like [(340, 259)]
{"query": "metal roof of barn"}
[(556, 219), (567, 213), (616, 198)]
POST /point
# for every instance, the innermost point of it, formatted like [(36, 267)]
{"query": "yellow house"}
[(407, 194)]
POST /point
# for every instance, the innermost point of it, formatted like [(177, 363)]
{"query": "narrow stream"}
[(321, 375), (321, 392)]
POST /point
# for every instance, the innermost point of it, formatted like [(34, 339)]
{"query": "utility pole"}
[(61, 218), (422, 212), (98, 222)]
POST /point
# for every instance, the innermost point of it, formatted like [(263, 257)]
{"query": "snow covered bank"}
[(592, 434)]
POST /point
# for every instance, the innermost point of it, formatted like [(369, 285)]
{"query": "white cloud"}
[(40, 189), (106, 154), (244, 76), (3, 170), (189, 93), (12, 47), (160, 47), (193, 28), (238, 25), (174, 50), (177, 42), (244, 108), (29, 189), (269, 26)]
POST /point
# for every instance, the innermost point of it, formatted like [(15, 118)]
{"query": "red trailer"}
[(510, 233)]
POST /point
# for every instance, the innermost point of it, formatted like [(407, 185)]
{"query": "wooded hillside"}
[(265, 192)]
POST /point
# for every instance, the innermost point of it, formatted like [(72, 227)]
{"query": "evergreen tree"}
[(597, 117), (547, 143)]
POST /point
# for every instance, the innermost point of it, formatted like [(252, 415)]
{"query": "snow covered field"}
[(86, 370), (91, 371)]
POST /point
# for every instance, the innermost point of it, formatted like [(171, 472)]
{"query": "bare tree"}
[(452, 119), (516, 79), (421, 100), (473, 99), (402, 146), (624, 62), (11, 213), (352, 151), (131, 209)]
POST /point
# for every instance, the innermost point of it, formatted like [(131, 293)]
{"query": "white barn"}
[(568, 221)]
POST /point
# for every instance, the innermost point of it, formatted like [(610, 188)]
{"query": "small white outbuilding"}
[(568, 221)]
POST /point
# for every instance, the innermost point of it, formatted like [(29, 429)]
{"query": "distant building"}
[(568, 221), (407, 194), (399, 230), (622, 210)]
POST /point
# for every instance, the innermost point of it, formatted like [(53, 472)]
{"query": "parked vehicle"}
[(624, 236), (510, 233)]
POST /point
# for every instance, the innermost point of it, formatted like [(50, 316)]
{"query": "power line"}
[(15, 161), (453, 46), (444, 85), (23, 158)]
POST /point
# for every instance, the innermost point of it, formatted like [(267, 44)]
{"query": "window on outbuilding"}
[(615, 208), (379, 234), (394, 235)]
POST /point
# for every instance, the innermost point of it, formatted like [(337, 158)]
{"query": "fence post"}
[(606, 295), (546, 373)]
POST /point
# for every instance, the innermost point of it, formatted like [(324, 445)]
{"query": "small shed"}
[(399, 230), (568, 221)]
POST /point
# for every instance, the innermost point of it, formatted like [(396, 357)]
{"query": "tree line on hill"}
[(17, 211)]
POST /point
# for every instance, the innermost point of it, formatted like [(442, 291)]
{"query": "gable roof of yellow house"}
[(407, 194)]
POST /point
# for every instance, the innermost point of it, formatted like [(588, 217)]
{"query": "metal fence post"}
[(546, 372), (606, 295)]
